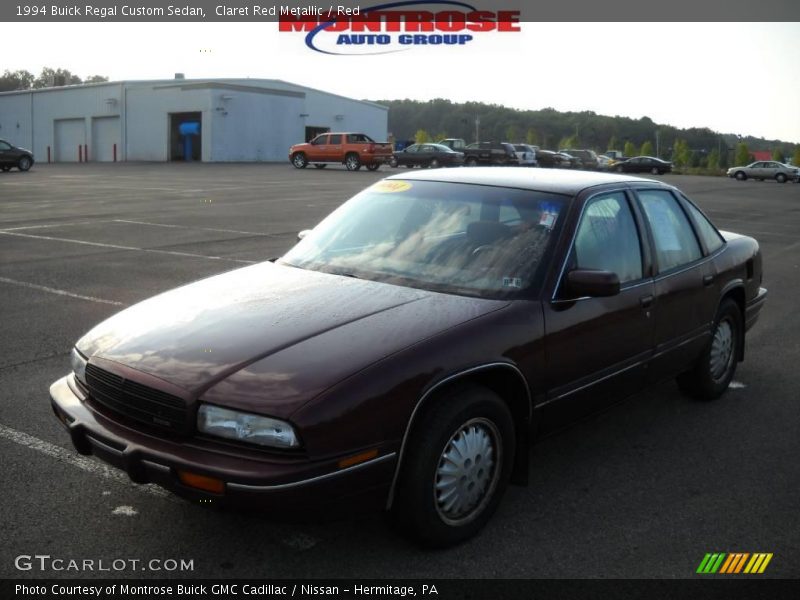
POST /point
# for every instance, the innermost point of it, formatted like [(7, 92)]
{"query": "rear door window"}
[(673, 236)]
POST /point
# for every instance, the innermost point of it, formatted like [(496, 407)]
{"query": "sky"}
[(741, 78)]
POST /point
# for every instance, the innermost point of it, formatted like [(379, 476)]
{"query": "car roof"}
[(559, 181)]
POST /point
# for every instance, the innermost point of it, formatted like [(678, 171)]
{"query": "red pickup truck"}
[(351, 149)]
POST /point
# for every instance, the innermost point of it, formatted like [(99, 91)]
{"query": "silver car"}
[(766, 169)]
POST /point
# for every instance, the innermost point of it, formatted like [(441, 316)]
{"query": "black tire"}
[(373, 166), (741, 175), (410, 166), (471, 162), (6, 167), (715, 369), (780, 178), (619, 170), (352, 162), (320, 165), (434, 164), (393, 162), (655, 171), (24, 163), (299, 160), (439, 513)]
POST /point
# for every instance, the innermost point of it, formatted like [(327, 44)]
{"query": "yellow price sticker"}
[(389, 186)]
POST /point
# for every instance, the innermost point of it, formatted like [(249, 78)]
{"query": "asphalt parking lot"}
[(642, 490)]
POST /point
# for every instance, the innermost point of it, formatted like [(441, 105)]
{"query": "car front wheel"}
[(456, 469), (655, 171), (716, 367), (740, 175), (352, 162), (780, 178), (299, 160), (24, 163)]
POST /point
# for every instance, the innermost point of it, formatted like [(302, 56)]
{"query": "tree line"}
[(12, 81), (549, 128)]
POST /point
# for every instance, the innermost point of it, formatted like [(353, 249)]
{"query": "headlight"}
[(78, 363), (245, 427)]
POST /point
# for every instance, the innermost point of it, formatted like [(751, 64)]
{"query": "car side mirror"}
[(592, 283), (303, 234)]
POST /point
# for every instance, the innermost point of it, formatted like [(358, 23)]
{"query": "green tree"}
[(629, 149), (742, 154), (442, 135), (16, 80), (95, 79), (681, 155), (55, 78), (713, 160), (647, 149), (531, 137), (777, 155), (422, 137), (511, 134), (568, 142), (796, 157), (612, 143)]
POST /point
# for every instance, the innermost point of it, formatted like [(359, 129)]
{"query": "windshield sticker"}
[(512, 282), (548, 219), (391, 187)]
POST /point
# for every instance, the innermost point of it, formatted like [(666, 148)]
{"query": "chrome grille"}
[(136, 401)]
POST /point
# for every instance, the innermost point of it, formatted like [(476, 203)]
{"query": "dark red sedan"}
[(404, 354)]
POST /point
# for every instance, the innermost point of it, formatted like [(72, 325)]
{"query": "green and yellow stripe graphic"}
[(734, 563)]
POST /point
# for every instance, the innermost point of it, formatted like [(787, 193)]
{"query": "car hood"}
[(291, 331)]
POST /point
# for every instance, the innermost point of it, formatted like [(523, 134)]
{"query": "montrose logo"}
[(395, 26)]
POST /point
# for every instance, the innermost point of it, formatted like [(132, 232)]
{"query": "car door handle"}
[(646, 301), (708, 280)]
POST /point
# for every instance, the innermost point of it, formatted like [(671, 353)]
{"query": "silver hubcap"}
[(721, 350), (299, 160), (352, 162), (468, 472)]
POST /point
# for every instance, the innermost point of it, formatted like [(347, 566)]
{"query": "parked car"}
[(643, 164), (615, 154), (350, 149), (588, 158), (397, 357), (552, 160), (766, 169), (456, 144), (569, 161), (490, 153), (11, 156), (604, 162), (427, 155), (526, 154)]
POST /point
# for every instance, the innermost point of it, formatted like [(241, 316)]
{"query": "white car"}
[(526, 154), (766, 169)]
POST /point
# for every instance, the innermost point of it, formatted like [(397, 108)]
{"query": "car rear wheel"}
[(456, 469), (471, 161), (393, 162), (655, 171), (740, 175), (299, 160), (619, 170), (24, 163), (434, 164), (373, 166), (352, 162), (320, 165), (780, 178), (716, 367)]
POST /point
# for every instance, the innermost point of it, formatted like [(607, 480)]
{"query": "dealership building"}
[(213, 120)]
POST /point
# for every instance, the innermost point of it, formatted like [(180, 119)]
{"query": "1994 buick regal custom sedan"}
[(399, 356)]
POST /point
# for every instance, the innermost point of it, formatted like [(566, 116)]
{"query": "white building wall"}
[(16, 125), (253, 126)]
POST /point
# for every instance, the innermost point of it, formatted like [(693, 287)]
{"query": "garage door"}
[(105, 134), (69, 134)]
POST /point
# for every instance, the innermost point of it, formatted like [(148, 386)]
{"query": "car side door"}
[(686, 293), (335, 150), (597, 348), (6, 153)]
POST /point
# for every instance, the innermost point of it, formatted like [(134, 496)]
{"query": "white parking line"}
[(50, 290), (76, 460), (190, 227), (118, 247), (50, 225)]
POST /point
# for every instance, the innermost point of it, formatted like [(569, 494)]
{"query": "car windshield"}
[(467, 239)]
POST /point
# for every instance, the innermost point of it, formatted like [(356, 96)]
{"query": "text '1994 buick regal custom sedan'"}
[(399, 356)]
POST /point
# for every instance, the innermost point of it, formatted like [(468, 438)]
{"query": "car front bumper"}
[(273, 483), (753, 309)]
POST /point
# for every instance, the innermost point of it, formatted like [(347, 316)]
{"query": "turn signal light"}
[(201, 482), (358, 458)]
